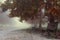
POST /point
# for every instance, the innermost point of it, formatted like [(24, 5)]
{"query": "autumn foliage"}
[(31, 9)]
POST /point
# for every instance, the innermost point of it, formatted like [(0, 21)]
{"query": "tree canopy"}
[(31, 9), (26, 9)]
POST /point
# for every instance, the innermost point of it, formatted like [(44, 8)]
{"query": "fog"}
[(12, 23)]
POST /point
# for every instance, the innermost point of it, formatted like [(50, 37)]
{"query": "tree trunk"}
[(52, 29), (40, 22), (52, 26)]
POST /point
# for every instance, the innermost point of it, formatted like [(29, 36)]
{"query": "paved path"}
[(8, 34)]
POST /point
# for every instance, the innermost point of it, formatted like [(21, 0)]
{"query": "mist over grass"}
[(5, 21)]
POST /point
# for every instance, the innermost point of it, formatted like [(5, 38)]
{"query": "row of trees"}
[(32, 9)]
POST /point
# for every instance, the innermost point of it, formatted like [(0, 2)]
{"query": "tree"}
[(27, 9), (31, 10), (52, 10)]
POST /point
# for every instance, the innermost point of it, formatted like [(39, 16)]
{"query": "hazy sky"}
[(2, 1)]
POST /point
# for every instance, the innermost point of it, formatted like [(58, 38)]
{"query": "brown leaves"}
[(29, 9), (26, 9)]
